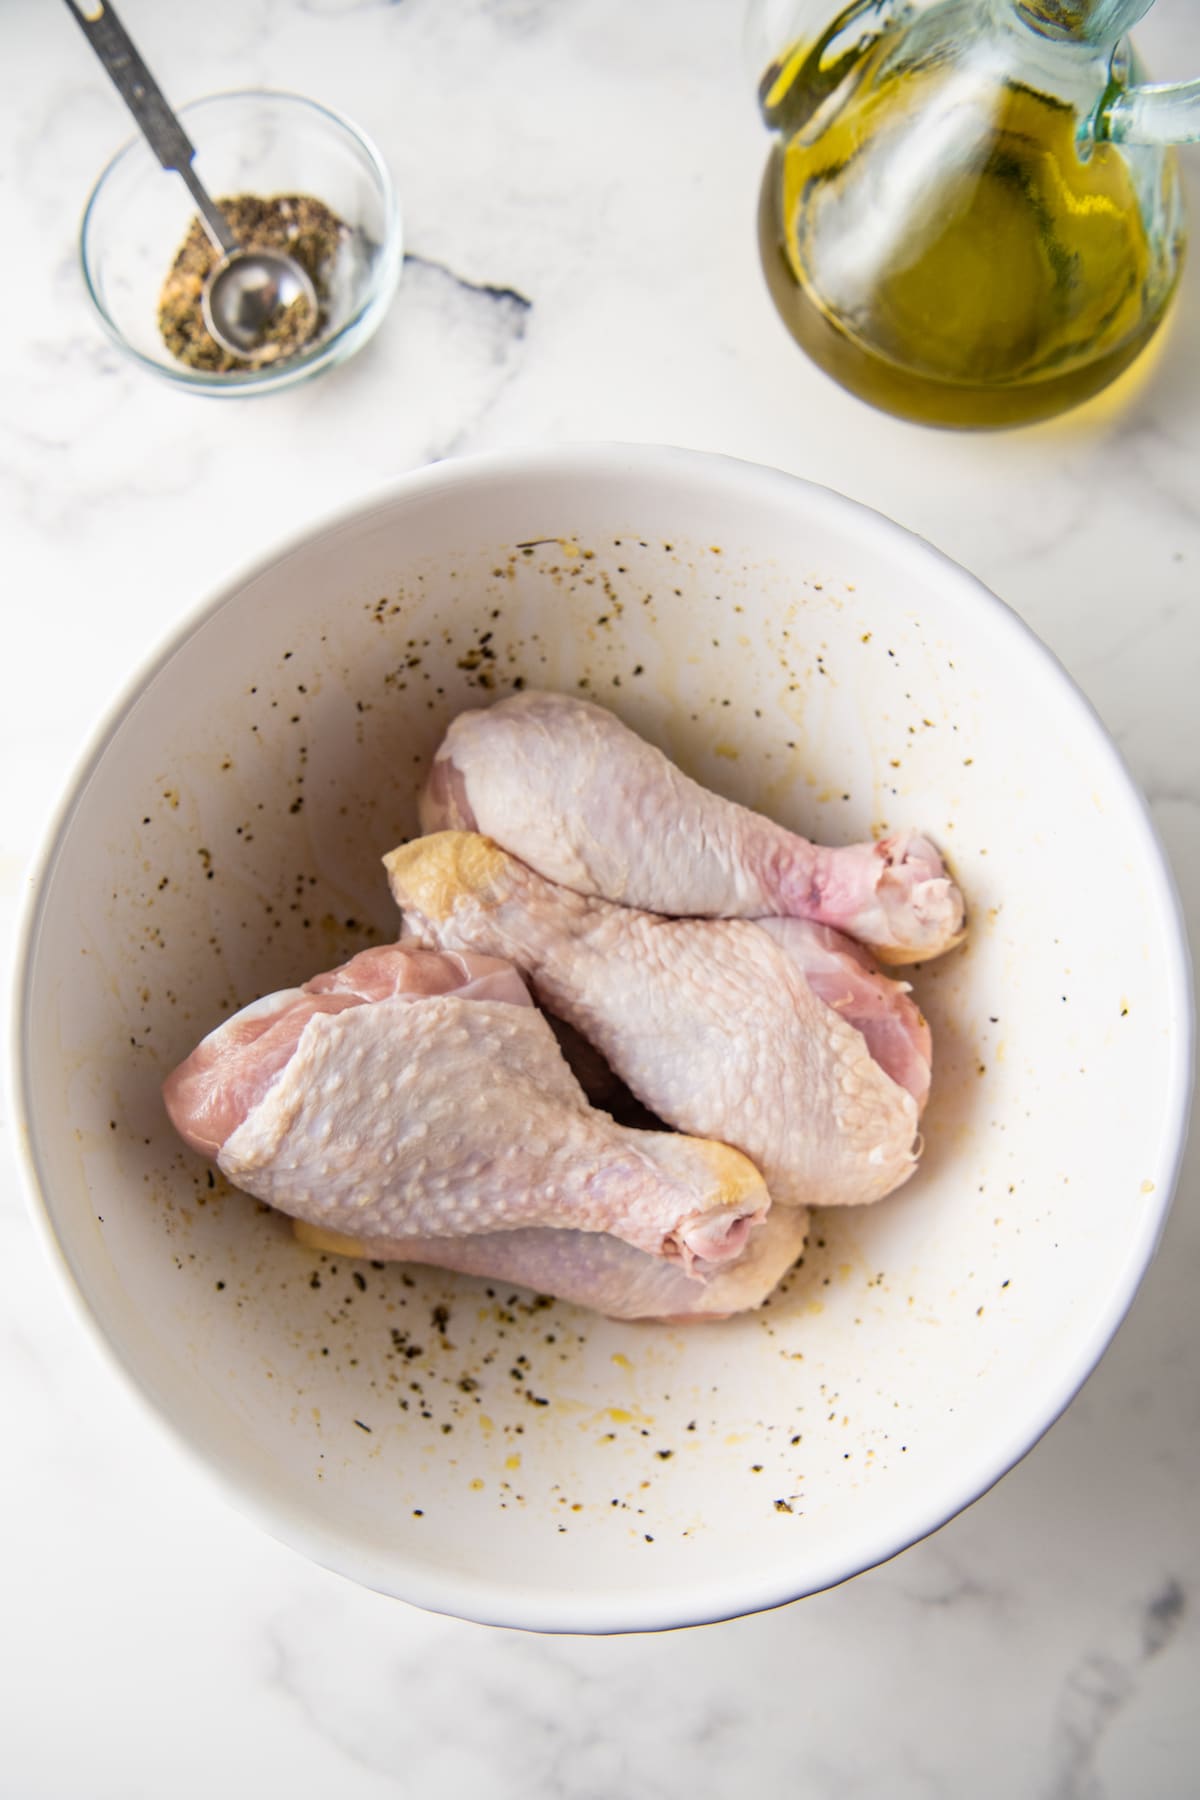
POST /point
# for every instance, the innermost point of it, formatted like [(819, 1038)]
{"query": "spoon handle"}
[(145, 100)]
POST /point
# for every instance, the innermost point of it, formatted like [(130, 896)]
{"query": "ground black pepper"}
[(305, 228)]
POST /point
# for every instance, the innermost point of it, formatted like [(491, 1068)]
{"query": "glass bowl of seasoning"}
[(290, 175)]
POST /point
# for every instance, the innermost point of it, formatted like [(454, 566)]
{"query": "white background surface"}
[(598, 159)]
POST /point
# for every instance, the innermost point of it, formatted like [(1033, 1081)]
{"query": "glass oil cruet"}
[(971, 215)]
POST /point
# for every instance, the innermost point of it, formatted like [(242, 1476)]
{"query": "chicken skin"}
[(413, 1098), (712, 1024), (584, 801)]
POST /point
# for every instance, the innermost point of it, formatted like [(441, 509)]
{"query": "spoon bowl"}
[(259, 304)]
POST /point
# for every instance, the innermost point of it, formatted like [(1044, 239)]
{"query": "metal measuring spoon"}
[(248, 288)]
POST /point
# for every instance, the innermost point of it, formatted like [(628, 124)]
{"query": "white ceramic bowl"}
[(796, 651)]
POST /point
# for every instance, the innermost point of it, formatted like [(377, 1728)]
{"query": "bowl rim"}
[(627, 1610), (274, 377)]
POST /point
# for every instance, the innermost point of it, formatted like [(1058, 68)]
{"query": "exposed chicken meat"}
[(841, 974), (574, 793), (711, 1023), (227, 1074), (418, 1095)]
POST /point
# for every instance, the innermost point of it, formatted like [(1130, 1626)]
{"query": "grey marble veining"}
[(578, 181)]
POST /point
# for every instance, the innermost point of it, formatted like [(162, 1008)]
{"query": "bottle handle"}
[(1160, 113)]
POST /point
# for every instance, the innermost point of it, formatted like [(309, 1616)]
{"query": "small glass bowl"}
[(252, 142)]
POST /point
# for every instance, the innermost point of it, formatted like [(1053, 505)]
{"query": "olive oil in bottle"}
[(943, 240)]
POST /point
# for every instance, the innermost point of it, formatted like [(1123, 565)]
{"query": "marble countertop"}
[(579, 183)]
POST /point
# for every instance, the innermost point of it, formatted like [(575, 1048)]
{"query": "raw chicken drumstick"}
[(417, 1096), (712, 1023), (597, 1270), (574, 793)]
